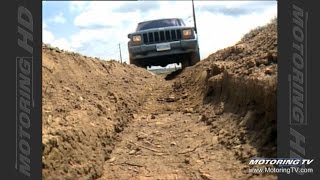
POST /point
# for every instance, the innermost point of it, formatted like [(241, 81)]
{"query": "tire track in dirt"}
[(165, 142)]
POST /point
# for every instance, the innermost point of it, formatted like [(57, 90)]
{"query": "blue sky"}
[(95, 28)]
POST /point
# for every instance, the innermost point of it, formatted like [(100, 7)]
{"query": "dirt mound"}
[(86, 102), (235, 88)]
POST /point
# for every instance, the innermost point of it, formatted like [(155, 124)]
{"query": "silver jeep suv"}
[(163, 41)]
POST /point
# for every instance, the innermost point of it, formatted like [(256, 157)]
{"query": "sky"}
[(96, 28)]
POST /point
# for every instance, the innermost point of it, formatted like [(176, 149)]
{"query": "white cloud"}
[(218, 31), (104, 24), (77, 6), (103, 19), (99, 42), (49, 38), (58, 19), (44, 25), (62, 43)]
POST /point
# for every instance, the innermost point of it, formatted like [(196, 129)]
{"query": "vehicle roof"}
[(159, 20)]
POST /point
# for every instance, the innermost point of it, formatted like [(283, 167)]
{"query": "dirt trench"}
[(166, 141), (171, 138), (106, 120), (163, 142)]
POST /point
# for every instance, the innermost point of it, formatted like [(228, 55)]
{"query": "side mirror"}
[(129, 35)]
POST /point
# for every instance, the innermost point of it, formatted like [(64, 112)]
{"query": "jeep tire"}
[(134, 62), (194, 58), (185, 61), (190, 59)]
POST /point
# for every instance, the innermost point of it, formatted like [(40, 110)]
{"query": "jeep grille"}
[(162, 36)]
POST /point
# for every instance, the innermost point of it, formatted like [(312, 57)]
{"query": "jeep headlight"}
[(136, 38), (187, 34)]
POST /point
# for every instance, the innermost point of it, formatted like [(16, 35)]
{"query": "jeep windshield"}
[(159, 24)]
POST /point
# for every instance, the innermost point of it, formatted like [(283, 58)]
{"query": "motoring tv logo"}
[(280, 165), (280, 161)]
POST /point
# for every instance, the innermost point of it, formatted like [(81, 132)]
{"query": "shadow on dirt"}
[(173, 74)]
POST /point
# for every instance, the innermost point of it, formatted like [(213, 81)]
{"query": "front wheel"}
[(190, 59), (185, 62), (134, 62), (194, 58)]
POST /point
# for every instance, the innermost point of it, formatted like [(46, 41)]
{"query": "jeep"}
[(163, 41)]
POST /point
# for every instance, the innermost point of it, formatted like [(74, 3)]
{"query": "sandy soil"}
[(106, 120)]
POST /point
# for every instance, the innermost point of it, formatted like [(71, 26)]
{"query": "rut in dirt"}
[(107, 120), (166, 142)]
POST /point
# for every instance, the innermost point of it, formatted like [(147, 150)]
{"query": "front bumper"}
[(150, 50)]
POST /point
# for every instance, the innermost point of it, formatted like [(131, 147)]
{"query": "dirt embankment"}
[(86, 103), (106, 120), (236, 90)]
